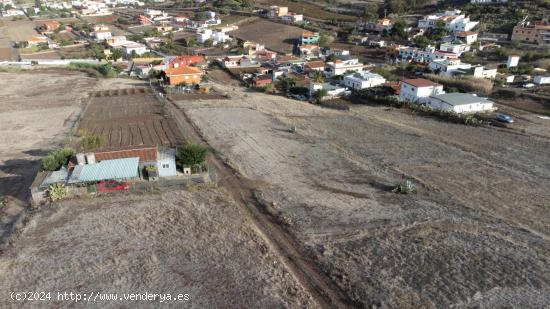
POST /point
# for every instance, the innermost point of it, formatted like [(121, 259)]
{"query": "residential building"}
[(448, 66), (453, 20), (131, 48), (309, 50), (183, 75), (262, 80), (425, 55), (339, 67), (362, 80), (537, 32), (310, 37), (504, 78), (460, 103), (332, 90), (215, 36), (277, 11), (117, 169), (469, 37), (239, 61), (102, 34), (513, 61), (185, 60), (37, 40), (312, 66), (378, 26), (542, 80), (50, 26), (419, 90), (293, 18), (13, 12), (455, 48)]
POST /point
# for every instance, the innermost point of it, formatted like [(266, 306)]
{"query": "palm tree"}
[(318, 77)]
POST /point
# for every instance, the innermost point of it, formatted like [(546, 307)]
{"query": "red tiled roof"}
[(420, 82), (183, 70), (315, 64)]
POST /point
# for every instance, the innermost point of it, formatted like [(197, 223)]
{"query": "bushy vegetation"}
[(95, 70), (57, 159), (190, 155), (467, 119), (465, 83)]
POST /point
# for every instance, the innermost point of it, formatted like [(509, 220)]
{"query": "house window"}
[(165, 165)]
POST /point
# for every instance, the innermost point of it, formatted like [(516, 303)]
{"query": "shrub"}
[(468, 84), (56, 192), (191, 154), (56, 159), (90, 141), (105, 70)]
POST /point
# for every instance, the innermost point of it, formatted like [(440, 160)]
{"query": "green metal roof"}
[(126, 168)]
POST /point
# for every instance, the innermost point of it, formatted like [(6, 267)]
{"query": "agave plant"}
[(405, 187), (56, 192)]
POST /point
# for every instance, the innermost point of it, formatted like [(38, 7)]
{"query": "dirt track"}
[(475, 234)]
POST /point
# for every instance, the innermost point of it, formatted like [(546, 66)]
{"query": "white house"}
[(13, 12), (454, 21), (293, 18), (102, 34), (419, 90), (458, 49), (340, 67), (216, 36), (469, 37), (542, 80), (513, 61), (448, 66), (130, 47), (507, 79), (479, 71), (332, 90), (362, 80), (424, 55), (460, 103)]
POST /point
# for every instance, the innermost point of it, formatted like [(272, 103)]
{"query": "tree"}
[(204, 78), (56, 159), (190, 42), (318, 77), (371, 11), (190, 154), (325, 41), (286, 83), (396, 6), (117, 54), (422, 41), (319, 95)]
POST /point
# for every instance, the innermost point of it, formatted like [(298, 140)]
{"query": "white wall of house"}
[(460, 109), (363, 80), (415, 94), (541, 80)]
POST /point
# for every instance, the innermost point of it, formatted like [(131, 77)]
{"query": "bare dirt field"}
[(475, 235), (194, 243), (275, 36), (128, 117), (18, 30), (37, 112), (309, 10)]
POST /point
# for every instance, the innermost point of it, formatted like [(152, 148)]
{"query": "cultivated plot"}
[(126, 118)]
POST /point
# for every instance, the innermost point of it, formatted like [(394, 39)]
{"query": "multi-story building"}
[(339, 67), (453, 20), (310, 37), (537, 32)]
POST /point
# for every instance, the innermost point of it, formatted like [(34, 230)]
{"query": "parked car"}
[(113, 185), (529, 85), (504, 118)]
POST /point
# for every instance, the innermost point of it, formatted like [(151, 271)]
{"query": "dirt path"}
[(310, 276)]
